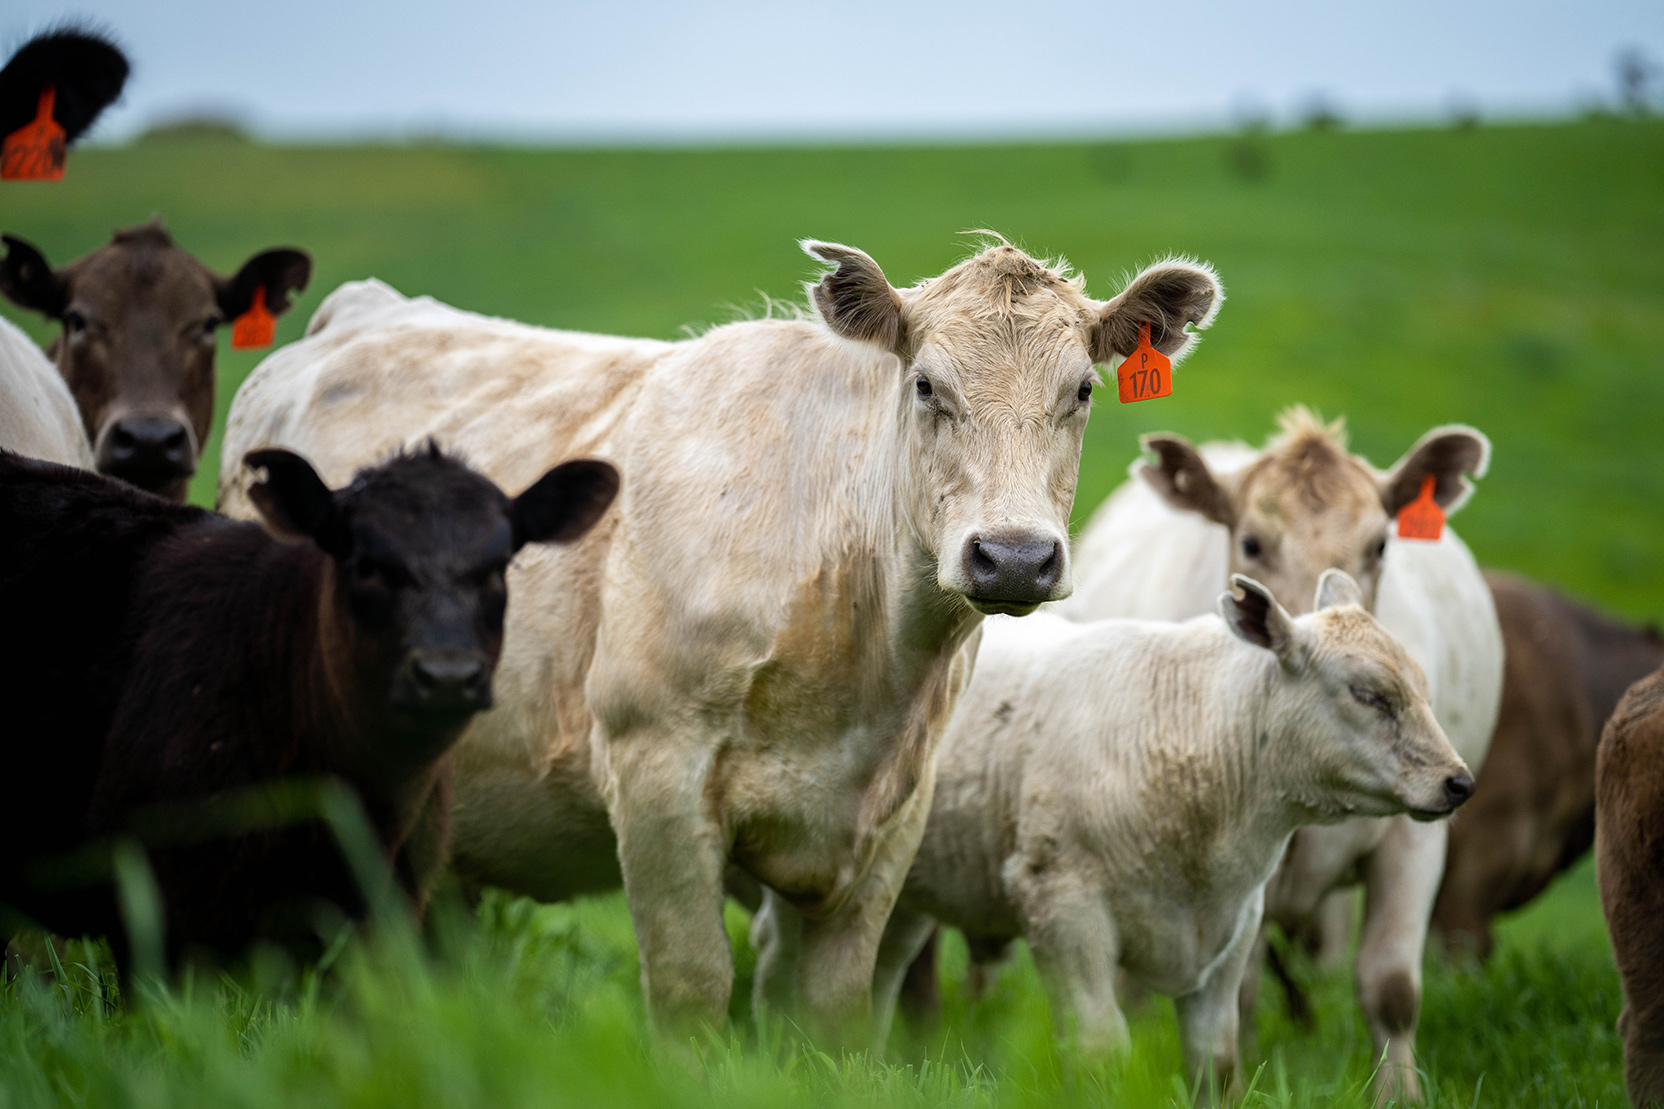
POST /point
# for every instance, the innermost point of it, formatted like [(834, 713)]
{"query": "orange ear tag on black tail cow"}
[(254, 328), (35, 151), (1422, 518), (1146, 374)]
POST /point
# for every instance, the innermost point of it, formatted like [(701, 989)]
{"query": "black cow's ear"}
[(279, 272), (29, 282), (564, 503), (294, 502)]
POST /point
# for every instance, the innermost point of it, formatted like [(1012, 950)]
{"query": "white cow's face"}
[(997, 359), (1362, 723), (1306, 505)]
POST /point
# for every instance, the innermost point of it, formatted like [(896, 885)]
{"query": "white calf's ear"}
[(1167, 296), (1181, 475), (856, 300), (1254, 616), (1336, 587), (1446, 454)]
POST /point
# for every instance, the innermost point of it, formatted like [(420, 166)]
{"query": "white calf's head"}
[(994, 384), (1352, 706), (1306, 504)]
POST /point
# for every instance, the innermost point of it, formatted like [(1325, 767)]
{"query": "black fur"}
[(168, 662), (86, 68)]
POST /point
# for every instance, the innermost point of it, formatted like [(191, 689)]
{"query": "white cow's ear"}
[(1181, 475), (1336, 587), (856, 300), (1167, 296), (1254, 616), (1446, 454)]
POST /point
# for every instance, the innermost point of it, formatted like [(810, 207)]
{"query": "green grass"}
[(1506, 277)]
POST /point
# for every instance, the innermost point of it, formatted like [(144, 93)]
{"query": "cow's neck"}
[(355, 734)]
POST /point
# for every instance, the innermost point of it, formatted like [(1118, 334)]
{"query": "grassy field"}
[(1504, 277)]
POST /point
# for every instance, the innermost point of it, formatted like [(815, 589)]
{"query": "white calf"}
[(1119, 793), (1161, 547)]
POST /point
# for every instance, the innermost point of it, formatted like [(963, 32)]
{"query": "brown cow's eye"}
[(211, 325), (924, 387), (75, 322), (1381, 546), (1250, 546)]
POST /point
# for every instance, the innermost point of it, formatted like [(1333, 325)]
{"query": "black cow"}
[(176, 666)]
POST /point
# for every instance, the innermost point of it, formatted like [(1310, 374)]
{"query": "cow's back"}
[(1629, 854), (38, 417)]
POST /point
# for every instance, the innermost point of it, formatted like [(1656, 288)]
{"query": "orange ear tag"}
[(254, 328), (35, 151), (1146, 373), (1422, 518)]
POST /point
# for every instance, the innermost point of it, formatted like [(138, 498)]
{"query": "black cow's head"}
[(421, 545)]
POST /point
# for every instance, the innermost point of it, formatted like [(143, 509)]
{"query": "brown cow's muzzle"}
[(151, 452)]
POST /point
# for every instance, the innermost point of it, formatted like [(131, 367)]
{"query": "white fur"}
[(38, 416), (1119, 792)]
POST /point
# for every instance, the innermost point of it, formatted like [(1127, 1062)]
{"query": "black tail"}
[(87, 70)]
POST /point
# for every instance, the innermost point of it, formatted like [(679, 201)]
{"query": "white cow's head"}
[(1354, 706), (995, 383), (1306, 504)]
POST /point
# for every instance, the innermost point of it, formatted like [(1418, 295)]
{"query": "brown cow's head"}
[(140, 318), (421, 544), (995, 384), (1306, 505)]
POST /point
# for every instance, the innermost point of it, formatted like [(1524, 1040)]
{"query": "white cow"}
[(38, 416), (1119, 792), (1160, 547), (752, 658)]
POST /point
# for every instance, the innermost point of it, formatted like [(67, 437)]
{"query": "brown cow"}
[(1533, 813), (139, 319), (1629, 858)]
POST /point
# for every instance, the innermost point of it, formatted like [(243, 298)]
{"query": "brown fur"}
[(1629, 855), (140, 318), (1533, 813)]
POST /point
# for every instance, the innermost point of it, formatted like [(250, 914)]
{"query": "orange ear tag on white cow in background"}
[(255, 327), (35, 151), (1422, 518), (1146, 374)]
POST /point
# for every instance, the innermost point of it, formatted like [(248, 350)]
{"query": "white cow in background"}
[(38, 416), (1119, 792), (1167, 540), (751, 659)]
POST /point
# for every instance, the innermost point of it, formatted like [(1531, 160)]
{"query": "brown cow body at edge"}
[(356, 648), (1533, 812), (1629, 858), (140, 321)]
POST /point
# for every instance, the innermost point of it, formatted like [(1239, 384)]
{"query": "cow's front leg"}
[(839, 952), (1400, 882), (1208, 1017), (673, 852), (905, 937), (1076, 947)]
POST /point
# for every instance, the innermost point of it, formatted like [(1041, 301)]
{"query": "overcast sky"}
[(633, 70)]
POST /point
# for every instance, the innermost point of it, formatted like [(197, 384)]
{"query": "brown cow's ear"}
[(278, 271), (1254, 616), (294, 502), (29, 282), (564, 503), (1167, 296), (855, 300), (1181, 475), (1447, 454)]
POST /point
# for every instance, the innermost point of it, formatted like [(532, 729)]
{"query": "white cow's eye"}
[(1366, 696), (924, 387)]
